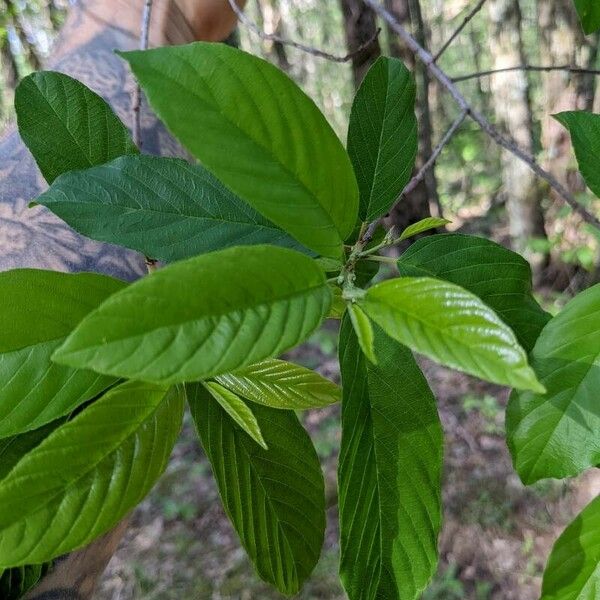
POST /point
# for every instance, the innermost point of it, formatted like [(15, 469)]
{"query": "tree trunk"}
[(424, 199), (562, 42), (269, 19), (360, 26), (511, 102)]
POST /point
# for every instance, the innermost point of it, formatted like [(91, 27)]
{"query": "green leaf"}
[(584, 128), (280, 384), (258, 133), (364, 331), (237, 409), (87, 474), (338, 304), (589, 14), (382, 136), (390, 470), (203, 317), (15, 583), (274, 498), (556, 435), (66, 126), (422, 226), (573, 569), (14, 448), (39, 310), (162, 207), (451, 326), (500, 277)]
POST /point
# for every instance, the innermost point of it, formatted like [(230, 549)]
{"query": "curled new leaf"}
[(280, 384), (203, 317)]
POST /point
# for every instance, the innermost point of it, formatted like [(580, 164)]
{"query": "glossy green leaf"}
[(451, 326), (500, 277), (382, 136), (556, 435), (584, 128), (237, 409), (390, 470), (39, 310), (274, 498), (589, 14), (422, 226), (162, 207), (281, 156), (203, 317), (338, 304), (280, 384), (573, 569), (364, 331), (66, 126), (87, 474)]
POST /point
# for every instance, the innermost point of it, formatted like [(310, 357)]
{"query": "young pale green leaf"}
[(422, 226), (88, 474), (237, 409), (280, 384), (589, 14), (451, 326), (500, 277), (390, 469), (203, 317), (281, 156), (162, 207), (556, 435), (66, 126), (573, 569), (338, 304), (382, 136), (274, 498), (39, 310), (364, 331), (584, 128)]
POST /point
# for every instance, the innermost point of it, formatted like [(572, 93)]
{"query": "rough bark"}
[(562, 42), (424, 199), (511, 103), (360, 26), (269, 19)]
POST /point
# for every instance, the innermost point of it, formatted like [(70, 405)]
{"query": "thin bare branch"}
[(137, 99), (414, 182), (137, 93), (535, 68), (457, 32), (272, 37), (504, 142)]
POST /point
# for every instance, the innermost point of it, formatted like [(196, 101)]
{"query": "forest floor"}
[(495, 540)]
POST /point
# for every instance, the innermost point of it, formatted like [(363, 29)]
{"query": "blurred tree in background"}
[(475, 184)]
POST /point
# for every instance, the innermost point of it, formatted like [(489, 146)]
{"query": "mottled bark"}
[(424, 199), (511, 103), (562, 42), (269, 19), (360, 26)]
